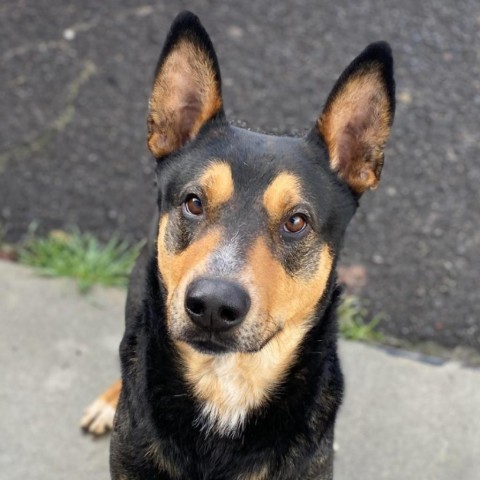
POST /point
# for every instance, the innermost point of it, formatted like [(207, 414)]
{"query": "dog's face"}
[(249, 228), (250, 224)]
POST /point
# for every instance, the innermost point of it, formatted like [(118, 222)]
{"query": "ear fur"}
[(357, 117), (187, 87)]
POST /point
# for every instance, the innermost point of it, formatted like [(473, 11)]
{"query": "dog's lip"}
[(209, 346)]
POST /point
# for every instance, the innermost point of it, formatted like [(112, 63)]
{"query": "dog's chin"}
[(210, 347)]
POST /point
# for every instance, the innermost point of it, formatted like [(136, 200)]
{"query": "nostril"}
[(195, 306), (228, 314)]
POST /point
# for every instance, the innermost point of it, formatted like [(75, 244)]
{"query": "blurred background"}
[(74, 84)]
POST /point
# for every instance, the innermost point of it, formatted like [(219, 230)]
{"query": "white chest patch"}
[(233, 395), (229, 387)]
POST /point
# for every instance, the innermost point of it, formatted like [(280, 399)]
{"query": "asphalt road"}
[(74, 82)]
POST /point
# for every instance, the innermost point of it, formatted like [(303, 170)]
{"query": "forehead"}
[(249, 162)]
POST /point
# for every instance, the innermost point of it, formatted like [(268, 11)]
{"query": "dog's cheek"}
[(285, 297), (301, 258), (174, 238), (179, 234), (167, 256), (174, 264), (305, 287)]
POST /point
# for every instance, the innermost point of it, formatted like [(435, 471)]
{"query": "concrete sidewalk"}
[(402, 418)]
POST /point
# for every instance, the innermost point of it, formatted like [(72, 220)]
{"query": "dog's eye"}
[(296, 223), (193, 205)]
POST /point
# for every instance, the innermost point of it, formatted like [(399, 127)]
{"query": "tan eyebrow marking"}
[(217, 183), (283, 193)]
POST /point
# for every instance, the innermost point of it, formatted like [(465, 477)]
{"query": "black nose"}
[(216, 304)]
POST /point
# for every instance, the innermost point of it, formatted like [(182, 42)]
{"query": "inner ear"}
[(356, 120), (187, 88)]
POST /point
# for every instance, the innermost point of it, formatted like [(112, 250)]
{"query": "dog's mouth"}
[(210, 343), (210, 346)]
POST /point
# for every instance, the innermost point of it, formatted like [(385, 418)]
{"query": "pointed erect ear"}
[(187, 88), (357, 117)]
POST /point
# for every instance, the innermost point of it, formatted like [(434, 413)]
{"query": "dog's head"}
[(251, 224)]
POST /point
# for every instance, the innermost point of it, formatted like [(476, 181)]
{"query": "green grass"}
[(82, 257), (353, 321)]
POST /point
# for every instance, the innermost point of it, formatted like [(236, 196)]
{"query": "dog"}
[(229, 358)]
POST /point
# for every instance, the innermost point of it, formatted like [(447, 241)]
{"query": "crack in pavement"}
[(57, 125)]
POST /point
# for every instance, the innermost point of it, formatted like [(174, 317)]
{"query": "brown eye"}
[(295, 224), (193, 205)]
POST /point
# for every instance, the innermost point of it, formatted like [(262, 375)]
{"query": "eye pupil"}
[(194, 205), (295, 224)]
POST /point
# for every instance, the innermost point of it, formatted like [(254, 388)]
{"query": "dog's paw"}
[(98, 417)]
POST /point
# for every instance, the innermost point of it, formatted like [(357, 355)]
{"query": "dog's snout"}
[(215, 304)]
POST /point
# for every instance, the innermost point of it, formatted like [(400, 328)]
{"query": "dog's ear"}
[(357, 117), (187, 87)]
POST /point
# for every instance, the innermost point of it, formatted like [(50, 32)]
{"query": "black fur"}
[(156, 406), (156, 435)]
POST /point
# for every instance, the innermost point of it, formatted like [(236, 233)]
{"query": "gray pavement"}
[(402, 419), (74, 82)]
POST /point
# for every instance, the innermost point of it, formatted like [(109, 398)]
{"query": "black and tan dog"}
[(229, 358)]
